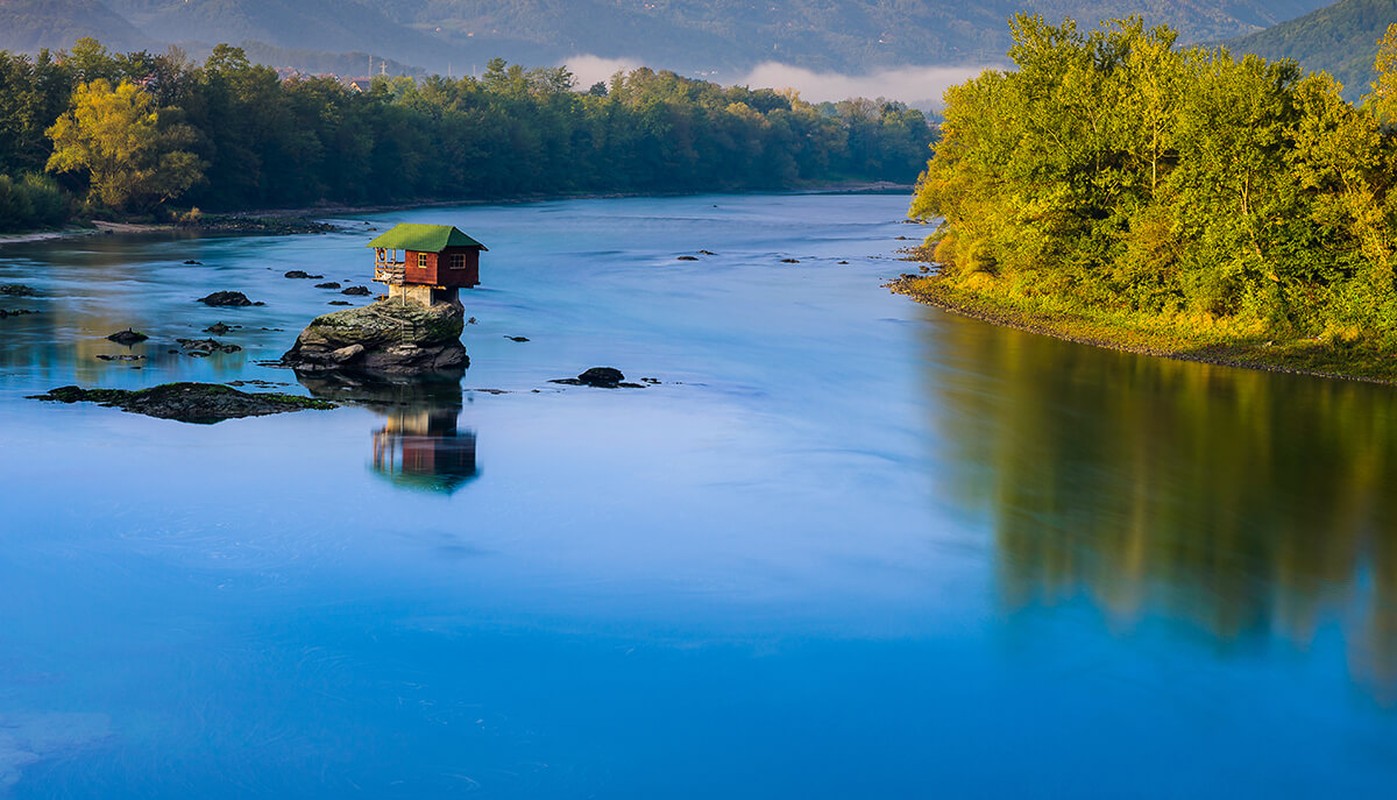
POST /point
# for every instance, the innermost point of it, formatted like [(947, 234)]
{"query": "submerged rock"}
[(328, 285), (18, 290), (601, 378), (127, 337), (197, 347), (388, 336), (14, 312), (357, 291), (201, 403), (302, 274), (227, 299), (217, 329)]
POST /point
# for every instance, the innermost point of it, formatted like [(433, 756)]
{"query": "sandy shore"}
[(41, 236)]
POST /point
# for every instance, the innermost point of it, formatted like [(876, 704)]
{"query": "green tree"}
[(116, 136), (1384, 96)]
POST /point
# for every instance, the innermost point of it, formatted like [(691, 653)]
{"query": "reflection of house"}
[(426, 263), (422, 448)]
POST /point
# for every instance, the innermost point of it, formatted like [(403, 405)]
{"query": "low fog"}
[(917, 86)]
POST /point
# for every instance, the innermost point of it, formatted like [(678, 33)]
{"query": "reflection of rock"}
[(202, 403), (420, 445), (388, 336)]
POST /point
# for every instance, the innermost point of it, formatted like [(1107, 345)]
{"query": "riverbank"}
[(1181, 337), (310, 219)]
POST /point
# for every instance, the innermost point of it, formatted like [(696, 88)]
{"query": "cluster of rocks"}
[(275, 226)]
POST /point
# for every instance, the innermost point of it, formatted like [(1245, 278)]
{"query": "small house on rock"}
[(426, 263)]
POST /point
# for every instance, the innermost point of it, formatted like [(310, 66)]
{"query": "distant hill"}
[(720, 38), (1341, 40), (28, 25), (322, 25)]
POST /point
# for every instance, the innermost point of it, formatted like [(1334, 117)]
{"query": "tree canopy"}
[(117, 137), (1111, 170)]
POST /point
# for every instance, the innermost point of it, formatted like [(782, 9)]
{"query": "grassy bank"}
[(1181, 336)]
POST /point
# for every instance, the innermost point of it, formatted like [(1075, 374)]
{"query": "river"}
[(846, 546)]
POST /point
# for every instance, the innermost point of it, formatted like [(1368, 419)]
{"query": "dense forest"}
[(136, 132), (1115, 176)]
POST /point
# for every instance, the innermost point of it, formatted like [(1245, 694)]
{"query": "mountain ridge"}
[(1341, 39), (713, 38)]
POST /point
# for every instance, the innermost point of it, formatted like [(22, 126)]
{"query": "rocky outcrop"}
[(202, 403), (387, 336)]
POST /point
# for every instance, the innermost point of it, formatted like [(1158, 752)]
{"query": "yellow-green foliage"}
[(1116, 173), (116, 136)]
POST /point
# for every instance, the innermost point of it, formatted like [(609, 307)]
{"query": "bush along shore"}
[(1114, 189), (1182, 337)]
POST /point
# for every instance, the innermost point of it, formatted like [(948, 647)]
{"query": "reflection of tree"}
[(1250, 504), (420, 445)]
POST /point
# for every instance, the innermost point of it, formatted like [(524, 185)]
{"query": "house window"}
[(422, 260), (457, 261)]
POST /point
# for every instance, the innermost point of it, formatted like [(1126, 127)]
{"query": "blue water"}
[(848, 546)]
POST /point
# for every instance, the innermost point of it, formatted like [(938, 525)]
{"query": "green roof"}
[(424, 238)]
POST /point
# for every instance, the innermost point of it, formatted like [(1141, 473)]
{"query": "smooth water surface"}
[(847, 546)]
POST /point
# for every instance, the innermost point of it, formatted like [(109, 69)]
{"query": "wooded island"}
[(1115, 189)]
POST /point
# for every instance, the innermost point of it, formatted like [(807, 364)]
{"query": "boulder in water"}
[(387, 336), (227, 299)]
